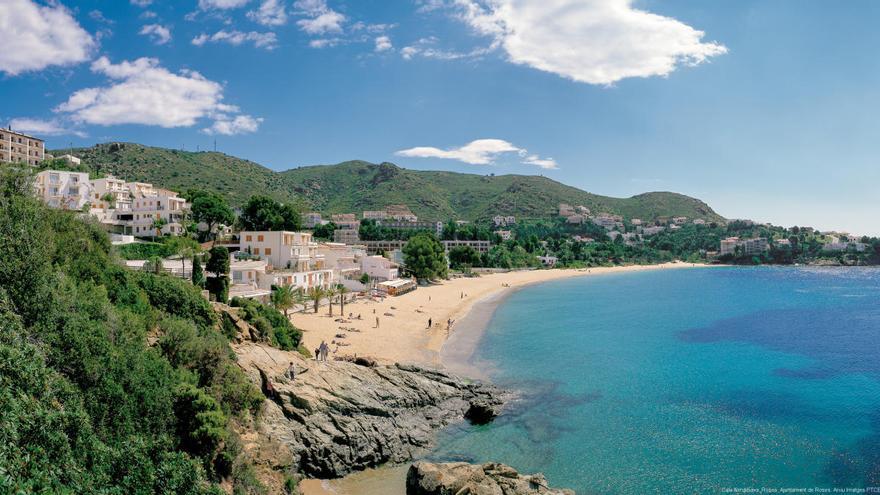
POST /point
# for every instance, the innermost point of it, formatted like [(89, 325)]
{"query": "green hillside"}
[(356, 185)]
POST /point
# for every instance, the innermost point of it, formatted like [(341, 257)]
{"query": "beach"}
[(403, 334), (405, 337)]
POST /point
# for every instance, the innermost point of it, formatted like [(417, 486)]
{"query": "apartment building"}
[(343, 259), (391, 223), (163, 212), (503, 221), (347, 221), (400, 213), (63, 190), (375, 215), (478, 246), (283, 249), (346, 236), (16, 147), (748, 247), (110, 193)]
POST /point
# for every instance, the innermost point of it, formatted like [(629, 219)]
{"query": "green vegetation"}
[(209, 208), (144, 250), (424, 257), (324, 232), (264, 213), (88, 405), (218, 266), (272, 325), (356, 185)]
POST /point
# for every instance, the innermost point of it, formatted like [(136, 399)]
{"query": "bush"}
[(143, 250), (177, 297), (273, 326)]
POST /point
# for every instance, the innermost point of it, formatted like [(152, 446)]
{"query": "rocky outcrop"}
[(454, 478), (337, 417)]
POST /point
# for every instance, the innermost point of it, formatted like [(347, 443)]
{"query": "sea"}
[(691, 381)]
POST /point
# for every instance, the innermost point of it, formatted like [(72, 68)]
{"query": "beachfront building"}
[(397, 287), (478, 246), (746, 247), (548, 261), (379, 268), (16, 147), (63, 190), (344, 260)]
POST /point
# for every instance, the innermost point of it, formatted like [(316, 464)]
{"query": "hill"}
[(357, 185)]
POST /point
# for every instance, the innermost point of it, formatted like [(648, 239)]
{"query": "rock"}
[(425, 478), (337, 417), (482, 411)]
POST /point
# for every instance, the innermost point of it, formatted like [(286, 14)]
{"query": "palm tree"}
[(331, 292), (315, 295), (342, 290), (283, 298), (158, 224)]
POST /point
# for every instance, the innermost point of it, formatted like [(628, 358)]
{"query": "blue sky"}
[(762, 109)]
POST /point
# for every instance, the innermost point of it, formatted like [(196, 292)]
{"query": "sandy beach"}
[(405, 337), (403, 334)]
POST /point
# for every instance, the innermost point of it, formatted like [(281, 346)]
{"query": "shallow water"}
[(687, 381)]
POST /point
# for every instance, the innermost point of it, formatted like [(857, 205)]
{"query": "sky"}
[(765, 110)]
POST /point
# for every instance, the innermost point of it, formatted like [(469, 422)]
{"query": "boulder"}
[(456, 478)]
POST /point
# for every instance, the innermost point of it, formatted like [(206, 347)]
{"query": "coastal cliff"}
[(337, 417)]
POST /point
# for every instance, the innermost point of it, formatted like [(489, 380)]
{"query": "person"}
[(449, 323), (322, 351), (377, 322), (429, 322), (318, 353), (290, 374)]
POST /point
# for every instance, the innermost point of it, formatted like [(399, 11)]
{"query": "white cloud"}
[(148, 14), (240, 124), (321, 19), (38, 36), (158, 33), (43, 127), (426, 48), (260, 40), (99, 16), (143, 92), (141, 3), (222, 4), (479, 152), (270, 13), (325, 42), (590, 41), (383, 43)]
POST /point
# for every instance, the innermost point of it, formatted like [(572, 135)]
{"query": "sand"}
[(403, 334)]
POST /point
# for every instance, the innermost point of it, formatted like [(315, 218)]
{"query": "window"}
[(259, 238), (268, 251), (257, 251), (247, 238)]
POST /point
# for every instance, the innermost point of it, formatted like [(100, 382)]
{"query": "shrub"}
[(272, 325)]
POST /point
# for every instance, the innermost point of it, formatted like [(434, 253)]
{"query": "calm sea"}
[(687, 381)]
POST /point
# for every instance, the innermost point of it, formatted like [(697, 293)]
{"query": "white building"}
[(478, 246), (161, 212), (699, 221), (110, 193), (375, 215), (679, 220), (748, 247), (69, 159), (379, 268), (283, 250), (64, 190), (505, 235), (344, 260), (503, 221), (311, 219)]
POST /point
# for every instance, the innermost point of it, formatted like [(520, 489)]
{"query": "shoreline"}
[(454, 352)]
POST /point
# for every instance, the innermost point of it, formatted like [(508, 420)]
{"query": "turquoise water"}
[(687, 381)]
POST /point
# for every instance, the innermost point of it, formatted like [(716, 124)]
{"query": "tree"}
[(153, 265), (283, 298), (424, 256), (365, 279), (331, 293), (315, 295), (264, 213), (211, 209), (324, 231), (198, 275), (157, 225), (463, 256), (342, 291), (218, 266), (184, 247)]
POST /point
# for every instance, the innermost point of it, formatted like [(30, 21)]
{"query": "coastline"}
[(453, 350)]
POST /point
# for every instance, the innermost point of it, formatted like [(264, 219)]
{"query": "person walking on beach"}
[(377, 322), (429, 322), (318, 353)]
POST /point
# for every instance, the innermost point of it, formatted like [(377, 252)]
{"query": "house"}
[(379, 268), (344, 260), (636, 222), (548, 261), (375, 214), (607, 221), (63, 190), (505, 235), (585, 240), (575, 219), (728, 246), (679, 220), (699, 221), (653, 230), (565, 210)]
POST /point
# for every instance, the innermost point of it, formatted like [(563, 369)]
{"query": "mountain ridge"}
[(357, 185)]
